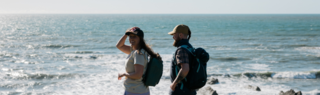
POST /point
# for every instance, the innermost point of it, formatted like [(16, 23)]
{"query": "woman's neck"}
[(135, 47)]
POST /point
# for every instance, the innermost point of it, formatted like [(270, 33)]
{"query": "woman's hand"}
[(120, 75), (133, 75)]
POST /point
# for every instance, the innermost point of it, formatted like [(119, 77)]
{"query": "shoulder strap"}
[(189, 49), (146, 58), (175, 61), (144, 54)]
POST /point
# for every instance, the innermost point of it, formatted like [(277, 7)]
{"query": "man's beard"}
[(176, 42)]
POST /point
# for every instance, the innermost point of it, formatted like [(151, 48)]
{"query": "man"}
[(180, 63)]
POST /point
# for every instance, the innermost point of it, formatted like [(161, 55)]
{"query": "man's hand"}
[(173, 86), (183, 72)]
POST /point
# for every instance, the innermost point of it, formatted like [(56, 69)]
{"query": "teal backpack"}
[(153, 73), (197, 75)]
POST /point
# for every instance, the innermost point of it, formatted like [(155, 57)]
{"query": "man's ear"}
[(183, 36), (180, 35)]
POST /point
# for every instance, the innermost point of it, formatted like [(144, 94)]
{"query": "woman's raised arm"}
[(121, 46)]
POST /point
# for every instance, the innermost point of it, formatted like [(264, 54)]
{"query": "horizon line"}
[(166, 13)]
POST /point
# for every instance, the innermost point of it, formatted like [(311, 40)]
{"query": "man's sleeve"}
[(182, 56)]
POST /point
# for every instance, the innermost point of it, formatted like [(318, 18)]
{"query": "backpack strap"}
[(144, 55), (175, 61), (146, 59), (177, 67), (191, 51)]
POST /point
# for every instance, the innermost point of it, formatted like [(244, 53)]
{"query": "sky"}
[(159, 6)]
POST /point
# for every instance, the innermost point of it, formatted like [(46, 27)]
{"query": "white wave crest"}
[(294, 75)]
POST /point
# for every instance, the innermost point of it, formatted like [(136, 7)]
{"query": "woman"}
[(136, 61)]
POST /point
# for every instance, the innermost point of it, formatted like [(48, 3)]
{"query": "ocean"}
[(75, 54)]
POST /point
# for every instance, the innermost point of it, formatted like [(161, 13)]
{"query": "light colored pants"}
[(128, 93)]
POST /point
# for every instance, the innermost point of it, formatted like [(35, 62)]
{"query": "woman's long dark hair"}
[(147, 48)]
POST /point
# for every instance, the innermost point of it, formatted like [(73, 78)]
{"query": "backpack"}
[(153, 73), (197, 76)]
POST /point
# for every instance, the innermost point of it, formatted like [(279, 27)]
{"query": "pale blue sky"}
[(160, 6)]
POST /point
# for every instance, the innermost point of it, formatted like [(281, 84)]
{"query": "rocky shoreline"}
[(207, 90)]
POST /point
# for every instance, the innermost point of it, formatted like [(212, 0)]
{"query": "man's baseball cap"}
[(180, 29), (135, 30)]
